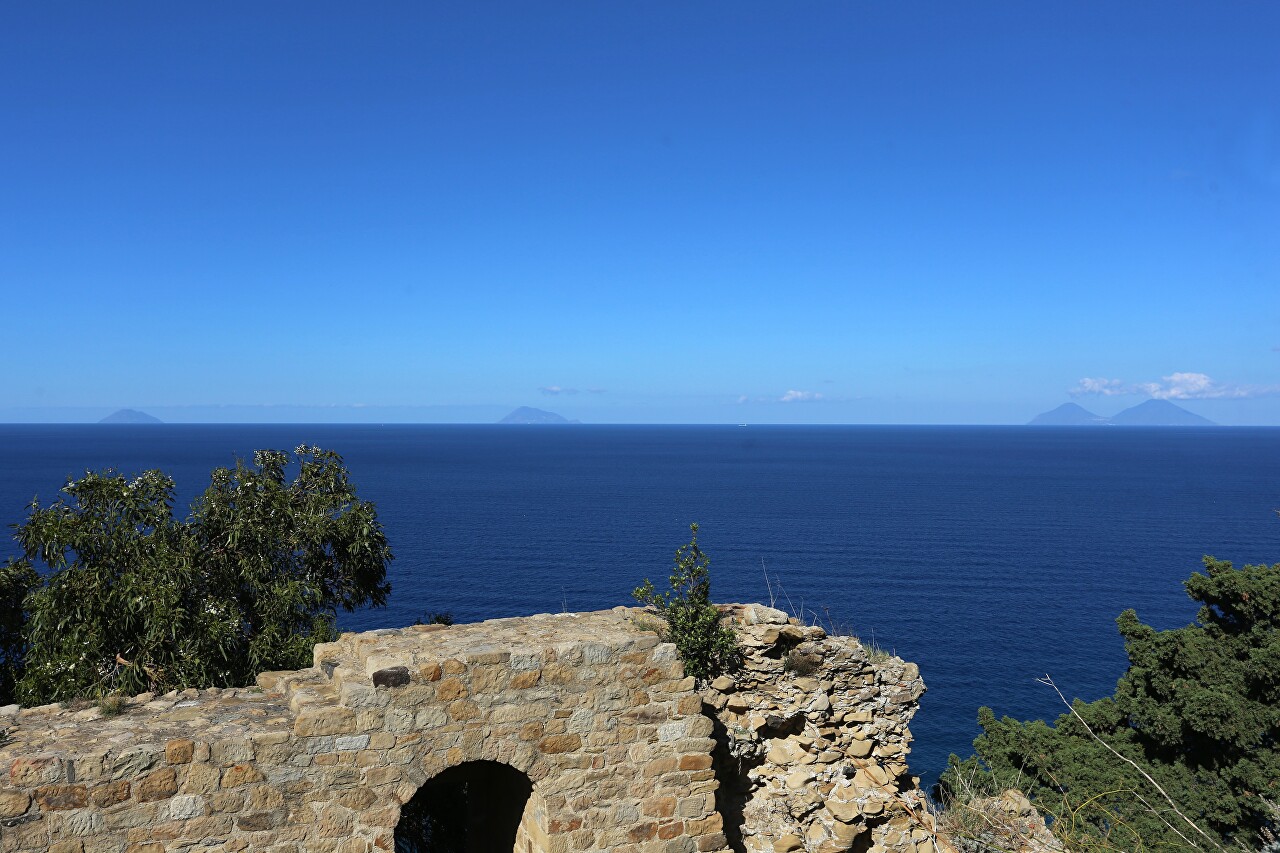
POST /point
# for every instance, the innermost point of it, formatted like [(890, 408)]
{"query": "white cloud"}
[(743, 398), (1192, 386), (1104, 387), (553, 390), (800, 397), (1175, 386)]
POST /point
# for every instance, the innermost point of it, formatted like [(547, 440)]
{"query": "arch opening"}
[(476, 807)]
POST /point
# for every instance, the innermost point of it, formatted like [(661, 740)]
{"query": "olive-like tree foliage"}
[(136, 600), (1198, 709), (17, 579), (706, 646)]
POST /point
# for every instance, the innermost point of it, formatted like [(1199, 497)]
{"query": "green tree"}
[(17, 579), (693, 623), (136, 600), (1198, 710)]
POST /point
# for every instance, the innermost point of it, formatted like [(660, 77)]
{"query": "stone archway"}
[(474, 807)]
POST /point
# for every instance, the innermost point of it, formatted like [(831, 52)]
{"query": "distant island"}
[(530, 415), (130, 416), (1149, 413)]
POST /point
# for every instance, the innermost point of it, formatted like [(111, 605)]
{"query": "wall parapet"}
[(622, 751)]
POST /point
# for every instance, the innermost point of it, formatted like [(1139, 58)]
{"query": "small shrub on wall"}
[(706, 646)]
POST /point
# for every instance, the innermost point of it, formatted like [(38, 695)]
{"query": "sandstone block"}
[(36, 770), (109, 793), (230, 751), (320, 721), (258, 821), (179, 751), (786, 751), (201, 779), (450, 689), (560, 743), (240, 774), (846, 833), (799, 779), (81, 822), (846, 812), (695, 762), (463, 710), (525, 680), (13, 802), (157, 785)]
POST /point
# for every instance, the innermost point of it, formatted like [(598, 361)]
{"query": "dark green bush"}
[(1198, 712)]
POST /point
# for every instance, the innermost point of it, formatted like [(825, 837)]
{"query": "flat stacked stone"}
[(815, 741)]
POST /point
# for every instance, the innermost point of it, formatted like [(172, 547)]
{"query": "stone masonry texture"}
[(803, 749)]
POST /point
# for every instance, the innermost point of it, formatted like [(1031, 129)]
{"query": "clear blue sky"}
[(647, 212)]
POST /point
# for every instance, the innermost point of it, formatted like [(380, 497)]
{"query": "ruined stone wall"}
[(623, 752), (813, 742)]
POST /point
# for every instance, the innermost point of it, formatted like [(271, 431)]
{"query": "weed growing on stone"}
[(801, 664), (646, 623)]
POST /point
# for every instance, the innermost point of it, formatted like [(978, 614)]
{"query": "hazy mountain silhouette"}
[(529, 415), (1159, 413), (1149, 413), (1068, 414), (130, 416)]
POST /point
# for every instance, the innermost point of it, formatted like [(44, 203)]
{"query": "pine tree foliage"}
[(134, 599), (1198, 709), (706, 646)]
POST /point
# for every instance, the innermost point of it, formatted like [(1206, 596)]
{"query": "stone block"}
[(80, 822), (449, 689), (526, 679), (392, 676), (74, 846), (240, 774), (361, 696), (13, 802), (560, 743), (184, 806), (320, 720), (157, 785), (36, 770), (351, 742), (179, 751)]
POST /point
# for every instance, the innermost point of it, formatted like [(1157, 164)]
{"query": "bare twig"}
[(790, 606), (1049, 681)]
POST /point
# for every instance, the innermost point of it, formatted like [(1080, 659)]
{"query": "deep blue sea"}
[(988, 555)]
